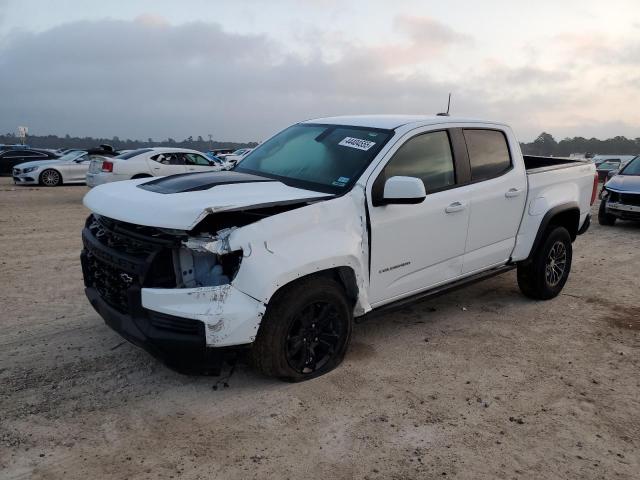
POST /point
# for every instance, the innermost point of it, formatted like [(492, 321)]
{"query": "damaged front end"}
[(168, 291)]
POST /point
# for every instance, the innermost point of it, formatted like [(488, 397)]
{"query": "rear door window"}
[(195, 159), (488, 153), (169, 158)]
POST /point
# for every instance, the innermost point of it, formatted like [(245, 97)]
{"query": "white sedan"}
[(70, 168), (149, 162), (235, 157)]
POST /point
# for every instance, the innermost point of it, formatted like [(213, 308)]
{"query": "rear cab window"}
[(489, 154)]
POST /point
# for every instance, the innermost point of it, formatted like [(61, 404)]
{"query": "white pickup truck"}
[(328, 220)]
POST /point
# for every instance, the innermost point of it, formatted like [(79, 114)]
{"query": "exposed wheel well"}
[(345, 276), (140, 175)]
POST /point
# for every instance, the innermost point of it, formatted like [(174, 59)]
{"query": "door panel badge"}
[(388, 269)]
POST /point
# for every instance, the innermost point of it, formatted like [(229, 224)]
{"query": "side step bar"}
[(434, 292)]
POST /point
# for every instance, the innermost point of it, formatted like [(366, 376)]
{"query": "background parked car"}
[(70, 168), (624, 159), (604, 168), (13, 156), (150, 162), (238, 155), (221, 152), (621, 195)]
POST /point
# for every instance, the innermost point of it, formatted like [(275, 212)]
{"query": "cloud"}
[(147, 78), (150, 78), (426, 32)]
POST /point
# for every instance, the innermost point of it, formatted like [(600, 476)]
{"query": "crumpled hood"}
[(37, 163), (625, 183), (182, 208)]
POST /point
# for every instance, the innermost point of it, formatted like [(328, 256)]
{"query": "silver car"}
[(70, 168)]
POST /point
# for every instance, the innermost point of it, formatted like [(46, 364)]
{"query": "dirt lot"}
[(480, 383)]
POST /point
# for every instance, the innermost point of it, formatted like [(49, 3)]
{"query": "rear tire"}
[(305, 331), (605, 218), (543, 276), (50, 178)]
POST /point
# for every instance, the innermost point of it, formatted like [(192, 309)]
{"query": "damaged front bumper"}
[(185, 335), (129, 285), (229, 316)]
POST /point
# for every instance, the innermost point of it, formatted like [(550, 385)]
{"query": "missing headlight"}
[(206, 261)]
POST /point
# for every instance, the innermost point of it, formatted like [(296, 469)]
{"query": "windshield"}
[(325, 158), (72, 155), (609, 166), (133, 153), (632, 168)]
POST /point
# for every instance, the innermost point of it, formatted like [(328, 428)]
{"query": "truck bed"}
[(535, 164)]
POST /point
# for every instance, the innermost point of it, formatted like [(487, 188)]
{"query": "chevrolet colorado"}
[(328, 220)]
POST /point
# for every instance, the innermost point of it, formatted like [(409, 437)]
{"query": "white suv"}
[(149, 162)]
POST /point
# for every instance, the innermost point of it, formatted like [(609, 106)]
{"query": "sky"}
[(242, 70)]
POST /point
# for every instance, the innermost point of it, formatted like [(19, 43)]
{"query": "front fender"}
[(285, 247)]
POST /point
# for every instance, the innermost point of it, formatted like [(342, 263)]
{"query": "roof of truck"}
[(390, 122)]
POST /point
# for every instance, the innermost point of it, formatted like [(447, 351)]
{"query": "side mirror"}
[(612, 173), (403, 190)]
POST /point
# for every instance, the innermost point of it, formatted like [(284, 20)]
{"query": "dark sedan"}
[(12, 157), (621, 195)]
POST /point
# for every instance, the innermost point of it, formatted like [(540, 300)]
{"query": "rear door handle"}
[(455, 207), (513, 192)]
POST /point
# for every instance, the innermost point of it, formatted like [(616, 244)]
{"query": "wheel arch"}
[(344, 275), (566, 215), (141, 175)]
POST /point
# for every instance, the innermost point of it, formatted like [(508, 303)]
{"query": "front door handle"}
[(513, 192), (455, 207)]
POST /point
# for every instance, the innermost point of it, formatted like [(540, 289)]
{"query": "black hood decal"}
[(192, 182)]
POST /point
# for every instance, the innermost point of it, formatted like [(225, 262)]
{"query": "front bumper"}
[(182, 350), (25, 179), (188, 328), (623, 211)]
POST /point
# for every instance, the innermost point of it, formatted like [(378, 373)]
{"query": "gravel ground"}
[(480, 383)]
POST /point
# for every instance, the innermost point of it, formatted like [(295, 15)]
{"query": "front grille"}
[(169, 323), (119, 256), (112, 283), (135, 240), (17, 171), (630, 198)]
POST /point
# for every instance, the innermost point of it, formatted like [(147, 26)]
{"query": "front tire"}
[(605, 218), (305, 331), (543, 276), (50, 178)]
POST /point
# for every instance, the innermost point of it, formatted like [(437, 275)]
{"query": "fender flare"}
[(546, 221)]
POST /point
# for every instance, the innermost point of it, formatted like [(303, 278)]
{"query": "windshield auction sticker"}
[(357, 143)]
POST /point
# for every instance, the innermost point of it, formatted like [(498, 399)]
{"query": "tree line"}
[(55, 142), (546, 145)]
